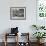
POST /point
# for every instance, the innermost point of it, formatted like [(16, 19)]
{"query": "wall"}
[(24, 25)]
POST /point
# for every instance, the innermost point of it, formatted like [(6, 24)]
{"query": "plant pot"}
[(40, 40)]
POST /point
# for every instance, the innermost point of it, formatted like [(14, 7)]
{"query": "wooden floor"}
[(13, 44)]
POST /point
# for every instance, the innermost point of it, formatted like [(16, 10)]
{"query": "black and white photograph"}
[(17, 13)]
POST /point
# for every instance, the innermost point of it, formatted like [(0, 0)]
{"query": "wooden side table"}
[(8, 34)]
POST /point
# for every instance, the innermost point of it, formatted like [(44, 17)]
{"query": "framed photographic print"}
[(41, 8), (41, 12), (17, 13)]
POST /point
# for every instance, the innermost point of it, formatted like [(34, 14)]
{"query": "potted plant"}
[(39, 35)]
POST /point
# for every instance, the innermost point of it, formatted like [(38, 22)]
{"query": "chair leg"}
[(5, 39), (5, 43)]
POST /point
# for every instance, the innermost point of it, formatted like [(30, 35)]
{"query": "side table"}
[(8, 34)]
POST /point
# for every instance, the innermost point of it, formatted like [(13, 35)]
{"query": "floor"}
[(13, 44)]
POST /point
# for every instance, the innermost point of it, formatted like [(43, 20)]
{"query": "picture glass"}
[(18, 13)]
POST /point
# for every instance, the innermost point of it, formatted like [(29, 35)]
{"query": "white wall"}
[(24, 25)]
